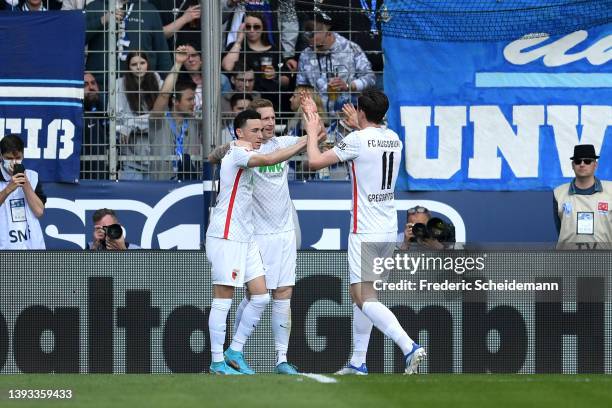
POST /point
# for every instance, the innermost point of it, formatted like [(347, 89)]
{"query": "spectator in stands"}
[(238, 102), (174, 131), (254, 48), (139, 29), (181, 21), (242, 80), (22, 201), (352, 22), (108, 233), (333, 65), (193, 69), (95, 132), (257, 52), (279, 16), (583, 207), (137, 90)]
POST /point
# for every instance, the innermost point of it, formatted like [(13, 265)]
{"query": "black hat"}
[(586, 151)]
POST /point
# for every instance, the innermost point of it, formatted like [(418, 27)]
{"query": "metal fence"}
[(233, 55)]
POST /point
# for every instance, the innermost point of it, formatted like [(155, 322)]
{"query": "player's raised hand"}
[(313, 123), (350, 115), (307, 104)]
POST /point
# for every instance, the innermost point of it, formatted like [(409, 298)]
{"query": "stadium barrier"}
[(147, 312)]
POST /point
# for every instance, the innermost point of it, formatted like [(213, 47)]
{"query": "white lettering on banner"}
[(32, 128), (12, 125), (556, 53), (62, 129), (565, 121), (449, 120), (493, 133)]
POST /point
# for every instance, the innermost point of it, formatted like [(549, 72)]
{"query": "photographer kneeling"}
[(424, 232), (108, 233)]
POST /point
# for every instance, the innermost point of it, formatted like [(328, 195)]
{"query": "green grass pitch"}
[(202, 391)]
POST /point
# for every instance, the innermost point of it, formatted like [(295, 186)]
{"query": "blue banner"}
[(499, 115), (170, 215), (41, 88)]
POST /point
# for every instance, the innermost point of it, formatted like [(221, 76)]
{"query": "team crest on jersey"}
[(235, 274), (602, 206)]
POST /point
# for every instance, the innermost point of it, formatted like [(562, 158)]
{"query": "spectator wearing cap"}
[(331, 64), (357, 23), (582, 207)]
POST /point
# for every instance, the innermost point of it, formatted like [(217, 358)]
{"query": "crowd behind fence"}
[(143, 103)]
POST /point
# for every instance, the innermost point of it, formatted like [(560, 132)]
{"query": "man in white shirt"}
[(374, 153), (230, 246), (22, 201)]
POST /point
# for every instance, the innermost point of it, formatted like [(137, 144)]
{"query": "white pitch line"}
[(320, 378)]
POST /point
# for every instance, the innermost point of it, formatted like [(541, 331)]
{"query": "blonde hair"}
[(298, 117), (315, 97)]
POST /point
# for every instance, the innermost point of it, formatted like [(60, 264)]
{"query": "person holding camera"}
[(108, 232), (424, 232), (22, 201)]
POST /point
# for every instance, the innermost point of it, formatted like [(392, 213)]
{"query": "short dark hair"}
[(241, 119), (11, 143), (103, 212), (238, 97), (241, 66), (181, 86), (374, 103)]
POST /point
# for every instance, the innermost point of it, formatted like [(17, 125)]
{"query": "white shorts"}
[(279, 253), (233, 263), (385, 249)]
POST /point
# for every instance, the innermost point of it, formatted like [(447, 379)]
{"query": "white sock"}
[(250, 318), (281, 327), (386, 322), (216, 326), (239, 310), (362, 327)]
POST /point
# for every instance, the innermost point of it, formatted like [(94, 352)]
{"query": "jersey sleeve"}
[(348, 148), (240, 156)]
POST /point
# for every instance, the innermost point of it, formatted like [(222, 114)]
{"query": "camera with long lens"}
[(435, 229), (113, 231)]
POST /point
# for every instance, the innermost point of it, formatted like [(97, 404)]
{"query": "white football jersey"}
[(232, 216), (272, 211), (374, 155)]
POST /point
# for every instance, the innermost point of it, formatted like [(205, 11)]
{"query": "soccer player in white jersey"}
[(275, 234), (374, 153), (230, 246)]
